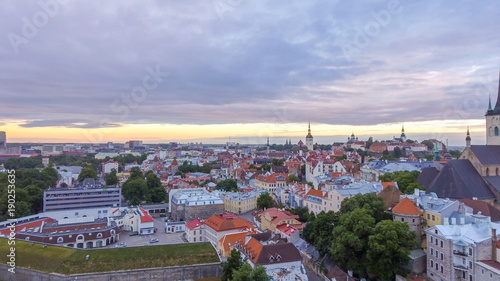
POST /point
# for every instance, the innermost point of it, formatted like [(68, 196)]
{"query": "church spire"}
[(403, 129), (468, 139), (309, 129)]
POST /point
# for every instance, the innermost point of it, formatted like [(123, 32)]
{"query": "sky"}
[(232, 70)]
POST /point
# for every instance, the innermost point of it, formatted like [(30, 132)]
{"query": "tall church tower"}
[(403, 135), (468, 139), (493, 122), (309, 139)]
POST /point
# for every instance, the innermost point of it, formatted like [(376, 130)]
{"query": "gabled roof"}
[(194, 224), (406, 207), (278, 215), (273, 253), (487, 154), (229, 240), (145, 217), (483, 207), (390, 195), (427, 176), (459, 179)]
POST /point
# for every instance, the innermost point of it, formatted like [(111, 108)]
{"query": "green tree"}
[(135, 173), (373, 204), (278, 162), (87, 172), (246, 273), (293, 178), (397, 152), (350, 240), (369, 142), (319, 231), (158, 195), (265, 201), (153, 181), (111, 178), (234, 262), (302, 212), (135, 188), (389, 248), (227, 185), (407, 181), (430, 144)]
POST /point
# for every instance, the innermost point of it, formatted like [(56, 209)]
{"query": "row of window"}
[(435, 241), (436, 266)]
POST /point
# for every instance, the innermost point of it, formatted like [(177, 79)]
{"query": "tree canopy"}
[(111, 178), (265, 201), (87, 172), (407, 181), (227, 185), (234, 262)]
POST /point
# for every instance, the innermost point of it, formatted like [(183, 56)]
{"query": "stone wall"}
[(203, 212), (190, 272)]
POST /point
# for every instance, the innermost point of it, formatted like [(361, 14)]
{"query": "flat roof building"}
[(88, 195)]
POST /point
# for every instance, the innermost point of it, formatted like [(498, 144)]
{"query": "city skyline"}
[(210, 71)]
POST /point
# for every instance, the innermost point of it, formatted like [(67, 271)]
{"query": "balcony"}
[(460, 253), (460, 267)]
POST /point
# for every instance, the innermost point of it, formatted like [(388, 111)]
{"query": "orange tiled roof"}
[(272, 178), (254, 247), (386, 184), (233, 238), (406, 207), (225, 222), (317, 193)]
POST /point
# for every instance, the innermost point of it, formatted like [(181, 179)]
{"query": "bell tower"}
[(493, 122)]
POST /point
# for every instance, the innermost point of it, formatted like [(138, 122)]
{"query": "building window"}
[(99, 235), (432, 264), (432, 251), (442, 256), (470, 251), (432, 239), (195, 239), (441, 269), (428, 217), (433, 218), (441, 243), (60, 240)]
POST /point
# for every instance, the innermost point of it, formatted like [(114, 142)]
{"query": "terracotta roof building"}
[(217, 226), (407, 212)]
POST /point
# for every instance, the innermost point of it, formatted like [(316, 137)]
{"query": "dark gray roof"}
[(427, 176), (459, 179), (487, 154), (494, 181)]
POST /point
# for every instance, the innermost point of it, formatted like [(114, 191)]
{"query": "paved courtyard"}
[(144, 240)]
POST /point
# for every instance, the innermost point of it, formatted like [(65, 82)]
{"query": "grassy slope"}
[(71, 261)]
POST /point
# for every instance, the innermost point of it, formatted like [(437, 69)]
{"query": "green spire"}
[(489, 107)]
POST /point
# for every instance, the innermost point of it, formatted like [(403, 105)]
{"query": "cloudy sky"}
[(96, 71)]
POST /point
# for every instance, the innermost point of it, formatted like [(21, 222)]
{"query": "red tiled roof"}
[(116, 211), (225, 222), (146, 217), (492, 263), (175, 162), (28, 225), (287, 229), (278, 216), (406, 207), (194, 224)]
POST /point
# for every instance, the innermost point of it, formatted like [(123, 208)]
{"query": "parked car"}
[(121, 245), (134, 233), (154, 240)]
